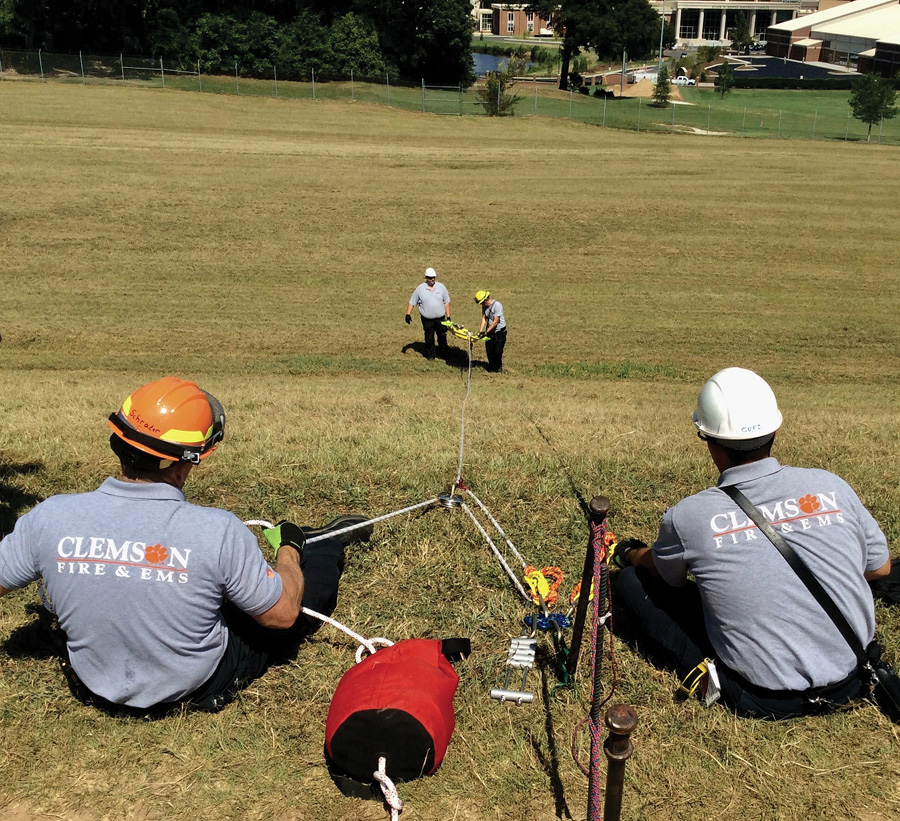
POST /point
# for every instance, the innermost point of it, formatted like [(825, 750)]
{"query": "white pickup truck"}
[(684, 81)]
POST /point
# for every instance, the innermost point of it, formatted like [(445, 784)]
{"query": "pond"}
[(490, 62)]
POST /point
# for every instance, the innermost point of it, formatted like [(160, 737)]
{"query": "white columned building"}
[(689, 17)]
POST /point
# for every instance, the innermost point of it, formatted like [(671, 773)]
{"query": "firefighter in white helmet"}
[(433, 301), (774, 652)]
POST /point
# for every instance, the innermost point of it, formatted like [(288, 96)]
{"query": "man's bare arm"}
[(871, 575), (284, 612)]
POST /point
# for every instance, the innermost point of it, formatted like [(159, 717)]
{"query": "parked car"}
[(758, 46), (684, 81)]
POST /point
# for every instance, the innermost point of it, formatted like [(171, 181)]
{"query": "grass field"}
[(267, 249), (795, 115)]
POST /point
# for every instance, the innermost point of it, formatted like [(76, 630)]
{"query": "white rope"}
[(372, 649), (462, 435), (357, 526), (496, 524), (368, 644), (364, 643), (497, 553), (391, 797)]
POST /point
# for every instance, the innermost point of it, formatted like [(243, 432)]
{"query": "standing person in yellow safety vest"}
[(165, 603), (433, 301), (493, 326)]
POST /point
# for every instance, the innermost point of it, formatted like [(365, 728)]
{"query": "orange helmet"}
[(172, 419)]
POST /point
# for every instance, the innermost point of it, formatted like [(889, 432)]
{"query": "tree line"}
[(430, 40)]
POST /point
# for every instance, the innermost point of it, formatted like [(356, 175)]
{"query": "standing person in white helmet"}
[(493, 326), (775, 652), (433, 301)]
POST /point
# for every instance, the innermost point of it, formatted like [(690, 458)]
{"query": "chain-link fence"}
[(706, 113)]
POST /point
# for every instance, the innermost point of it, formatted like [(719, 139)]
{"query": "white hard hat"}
[(429, 273), (738, 408)]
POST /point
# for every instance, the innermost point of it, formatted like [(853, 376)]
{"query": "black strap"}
[(796, 564), (456, 649)]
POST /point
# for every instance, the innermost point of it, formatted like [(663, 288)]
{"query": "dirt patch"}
[(642, 88)]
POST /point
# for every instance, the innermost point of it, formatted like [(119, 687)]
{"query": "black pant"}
[(668, 625), (251, 648), (430, 327), (493, 347)]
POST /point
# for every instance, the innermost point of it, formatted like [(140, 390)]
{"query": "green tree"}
[(496, 94), (724, 81), (430, 40), (353, 46), (871, 100), (576, 21), (662, 91), (709, 54), (739, 33)]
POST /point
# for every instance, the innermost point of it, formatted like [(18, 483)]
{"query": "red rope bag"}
[(397, 703)]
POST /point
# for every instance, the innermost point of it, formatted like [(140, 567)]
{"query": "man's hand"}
[(448, 318), (285, 533), (620, 550), (408, 319)]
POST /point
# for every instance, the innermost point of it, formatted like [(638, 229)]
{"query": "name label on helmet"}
[(135, 418), (750, 428)]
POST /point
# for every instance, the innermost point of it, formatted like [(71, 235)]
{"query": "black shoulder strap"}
[(796, 564)]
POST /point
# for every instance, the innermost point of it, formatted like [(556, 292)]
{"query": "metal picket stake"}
[(423, 95), (275, 71), (815, 120), (620, 721), (314, 82), (81, 60), (199, 80), (41, 63), (122, 63), (162, 72), (352, 88), (237, 88)]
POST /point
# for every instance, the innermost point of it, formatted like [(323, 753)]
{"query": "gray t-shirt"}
[(760, 618), (430, 302), (137, 576), (493, 312)]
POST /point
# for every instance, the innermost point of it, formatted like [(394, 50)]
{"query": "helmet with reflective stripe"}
[(481, 296), (737, 408), (172, 419)]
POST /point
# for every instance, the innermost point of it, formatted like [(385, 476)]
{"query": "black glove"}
[(408, 319), (448, 319), (285, 533), (621, 549)]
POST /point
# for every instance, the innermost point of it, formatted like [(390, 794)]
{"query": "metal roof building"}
[(862, 33)]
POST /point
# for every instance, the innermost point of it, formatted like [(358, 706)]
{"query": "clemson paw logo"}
[(156, 553), (809, 503)]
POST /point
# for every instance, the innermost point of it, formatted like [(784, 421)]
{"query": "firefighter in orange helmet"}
[(163, 602)]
